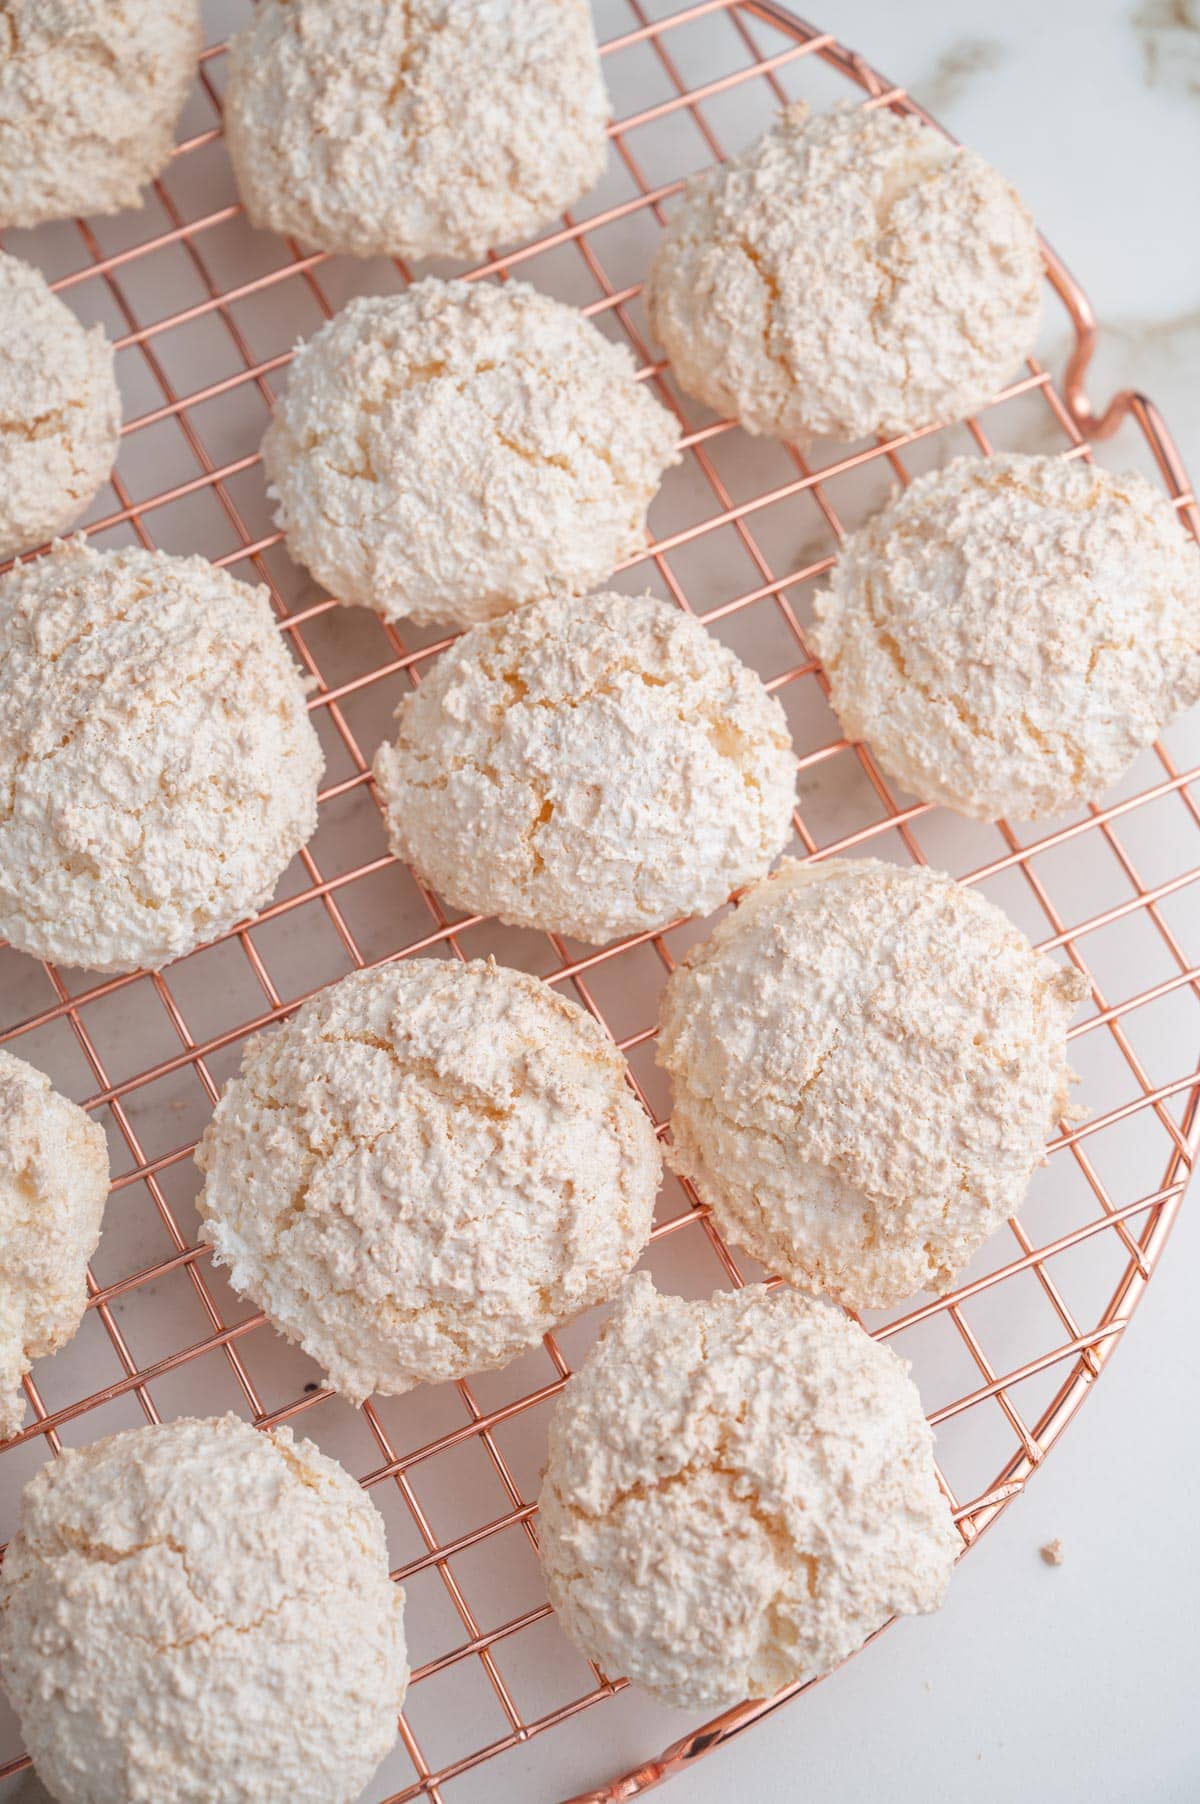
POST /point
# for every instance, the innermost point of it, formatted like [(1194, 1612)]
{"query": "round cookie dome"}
[(594, 766), (852, 273), (60, 412), (198, 1611), (1012, 632), (53, 1186), (714, 1522), (158, 770), (425, 1170), (414, 128), (865, 1062), (90, 92), (444, 454)]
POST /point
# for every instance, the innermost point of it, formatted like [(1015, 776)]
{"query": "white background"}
[(1073, 1684)]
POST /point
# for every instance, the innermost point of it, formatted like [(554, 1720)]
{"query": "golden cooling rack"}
[(205, 312)]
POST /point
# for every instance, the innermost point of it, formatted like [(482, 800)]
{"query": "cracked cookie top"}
[(158, 769), (852, 273), (865, 1062), (414, 128), (1012, 632), (593, 766), (90, 91), (425, 1170), (445, 454), (197, 1610), (60, 412), (738, 1492), (53, 1185)]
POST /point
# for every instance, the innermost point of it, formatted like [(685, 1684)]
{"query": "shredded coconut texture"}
[(90, 92), (158, 769), (865, 1062), (60, 412), (197, 1612), (53, 1184), (447, 453), (738, 1493), (1012, 632), (595, 766), (415, 128), (850, 274), (425, 1170)]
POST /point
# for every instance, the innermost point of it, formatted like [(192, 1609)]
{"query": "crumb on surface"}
[(1052, 1553)]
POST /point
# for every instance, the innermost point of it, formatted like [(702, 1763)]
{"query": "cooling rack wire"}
[(741, 535)]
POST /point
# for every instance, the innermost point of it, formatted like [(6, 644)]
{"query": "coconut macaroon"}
[(90, 93), (594, 766), (852, 273), (444, 454), (425, 1170), (414, 128), (714, 1521), (865, 1062), (53, 1185), (1012, 632), (60, 410), (158, 769), (197, 1611)]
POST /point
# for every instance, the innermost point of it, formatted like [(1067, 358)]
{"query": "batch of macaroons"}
[(431, 1164)]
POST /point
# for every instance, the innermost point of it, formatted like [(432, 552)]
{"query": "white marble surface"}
[(1074, 1684)]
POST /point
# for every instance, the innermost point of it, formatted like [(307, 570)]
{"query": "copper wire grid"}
[(741, 536)]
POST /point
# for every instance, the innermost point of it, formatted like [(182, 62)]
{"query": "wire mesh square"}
[(205, 312)]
